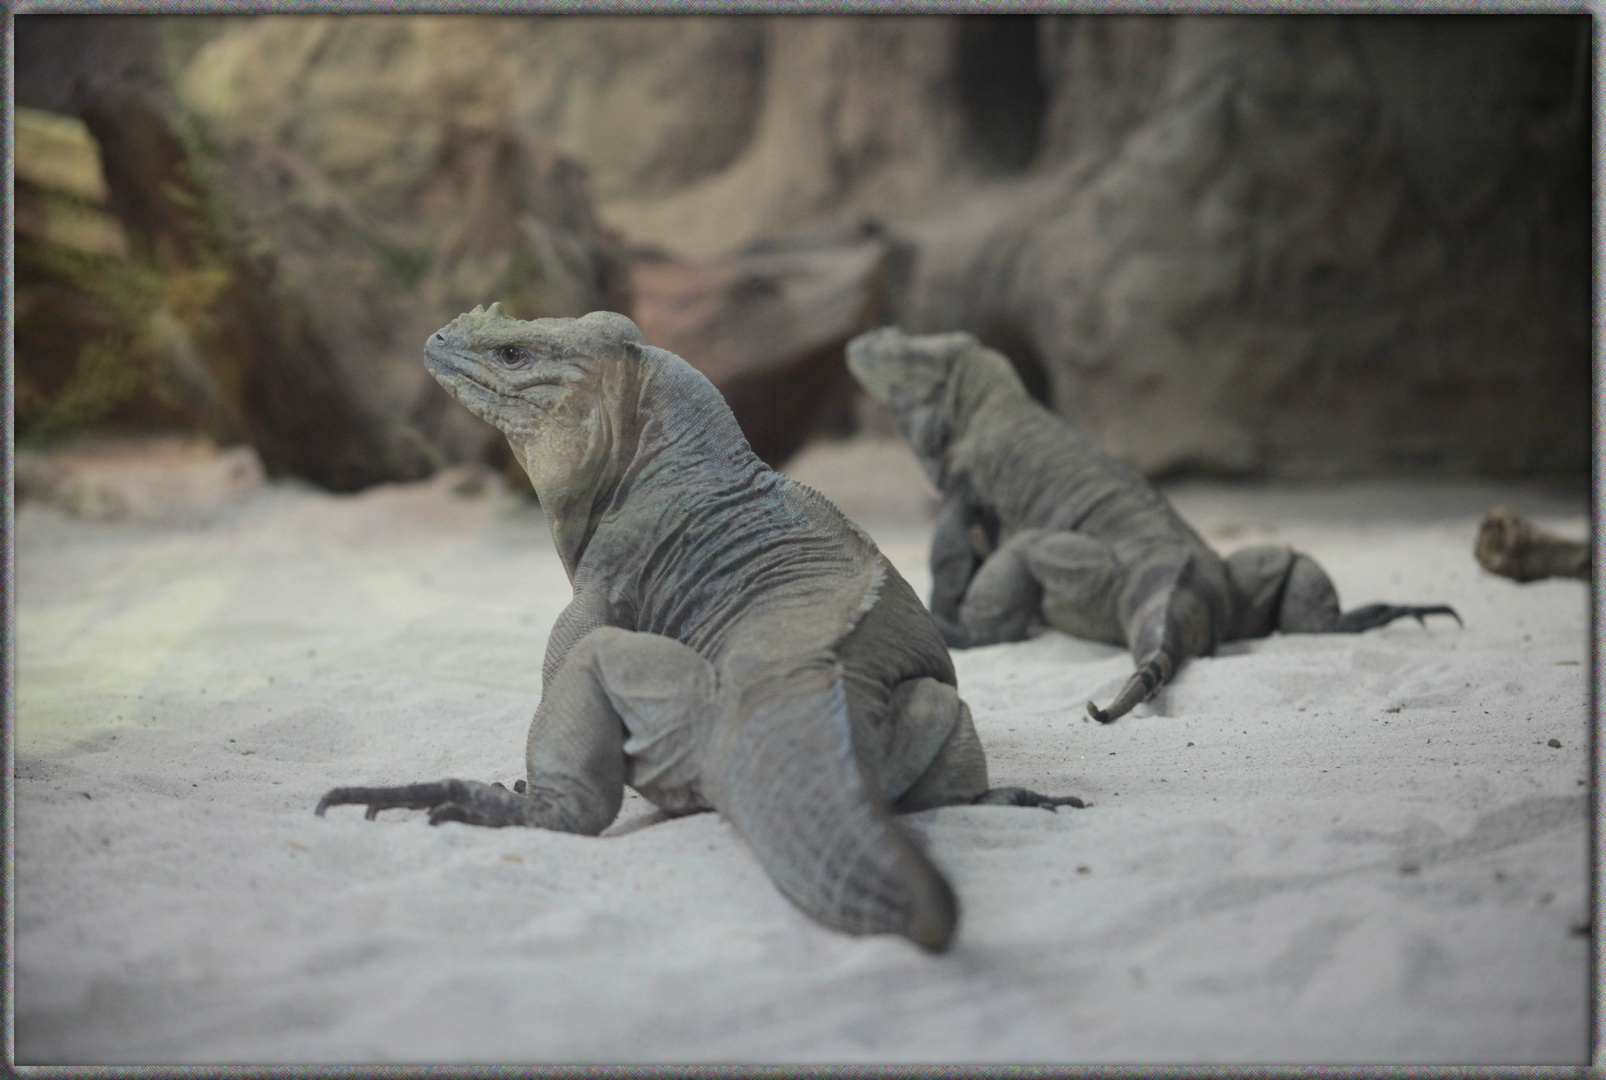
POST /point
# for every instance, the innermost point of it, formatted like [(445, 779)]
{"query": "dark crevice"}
[(1002, 97)]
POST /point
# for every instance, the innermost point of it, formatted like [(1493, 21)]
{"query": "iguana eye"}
[(511, 356)]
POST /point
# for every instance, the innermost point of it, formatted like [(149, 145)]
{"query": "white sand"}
[(1317, 849)]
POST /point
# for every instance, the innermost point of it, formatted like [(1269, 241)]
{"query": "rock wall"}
[(306, 300), (1307, 246), (1259, 245)]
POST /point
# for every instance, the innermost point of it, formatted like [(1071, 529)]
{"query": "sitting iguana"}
[(734, 642), (1037, 522)]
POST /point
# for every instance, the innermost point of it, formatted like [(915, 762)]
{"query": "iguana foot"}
[(469, 801), (1019, 796), (1374, 615)]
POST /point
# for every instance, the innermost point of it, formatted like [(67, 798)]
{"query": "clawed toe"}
[(1438, 609), (1017, 796), (468, 801), (406, 796)]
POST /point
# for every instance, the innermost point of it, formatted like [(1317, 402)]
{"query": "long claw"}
[(1371, 616), (1098, 714), (408, 796), (1018, 796)]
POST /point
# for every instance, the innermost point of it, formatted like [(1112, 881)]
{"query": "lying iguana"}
[(734, 642), (1036, 521)]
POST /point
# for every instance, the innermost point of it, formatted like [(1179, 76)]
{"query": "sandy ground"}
[(1308, 849)]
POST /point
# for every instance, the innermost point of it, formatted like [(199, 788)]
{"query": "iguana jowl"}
[(1036, 522), (734, 642)]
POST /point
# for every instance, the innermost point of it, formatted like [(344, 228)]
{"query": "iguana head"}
[(555, 387), (933, 383)]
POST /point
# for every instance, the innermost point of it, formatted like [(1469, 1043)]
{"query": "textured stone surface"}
[(1307, 246), (295, 277), (1312, 246), (1245, 245)]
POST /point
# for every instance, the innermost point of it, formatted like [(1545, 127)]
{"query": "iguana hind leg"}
[(933, 757), (1072, 581), (957, 773), (1369, 616), (1283, 589)]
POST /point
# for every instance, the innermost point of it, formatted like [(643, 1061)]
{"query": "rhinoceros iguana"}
[(734, 643), (1036, 522)]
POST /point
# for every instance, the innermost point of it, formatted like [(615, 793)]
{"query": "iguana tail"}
[(785, 774), (1154, 671), (1180, 618)]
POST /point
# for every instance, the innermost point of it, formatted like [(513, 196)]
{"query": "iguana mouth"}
[(466, 388)]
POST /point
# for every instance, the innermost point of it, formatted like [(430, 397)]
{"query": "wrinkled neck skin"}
[(576, 455), (679, 453), (577, 400), (613, 450)]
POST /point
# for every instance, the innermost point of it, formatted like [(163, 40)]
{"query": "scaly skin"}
[(734, 643), (1037, 523)]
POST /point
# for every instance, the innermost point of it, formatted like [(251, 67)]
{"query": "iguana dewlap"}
[(1037, 523), (733, 642)]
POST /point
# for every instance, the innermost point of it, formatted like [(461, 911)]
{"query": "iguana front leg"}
[(954, 558), (469, 801), (621, 707)]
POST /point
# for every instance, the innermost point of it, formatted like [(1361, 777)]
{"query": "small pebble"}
[(1554, 744)]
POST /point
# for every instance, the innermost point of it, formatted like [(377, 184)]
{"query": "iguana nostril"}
[(438, 336)]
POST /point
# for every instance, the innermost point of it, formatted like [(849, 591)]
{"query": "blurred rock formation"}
[(306, 306), (1305, 246), (1251, 245), (768, 324), (1510, 545)]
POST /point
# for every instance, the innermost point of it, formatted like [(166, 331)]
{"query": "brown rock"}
[(300, 310), (1514, 547), (768, 328), (1305, 246)]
